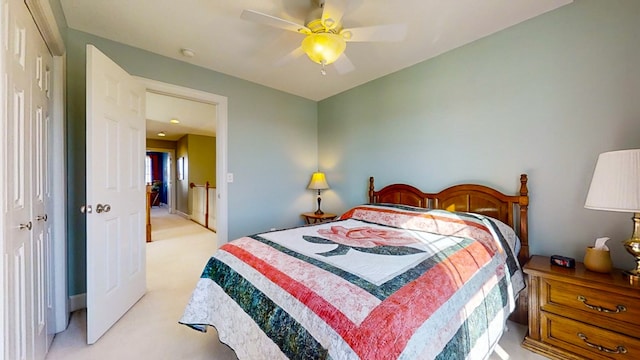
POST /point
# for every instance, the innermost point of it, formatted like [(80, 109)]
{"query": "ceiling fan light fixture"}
[(346, 34), (329, 23), (187, 52), (323, 48)]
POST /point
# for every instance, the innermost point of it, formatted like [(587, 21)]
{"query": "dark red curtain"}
[(156, 166)]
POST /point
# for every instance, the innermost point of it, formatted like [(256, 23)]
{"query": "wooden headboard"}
[(480, 199)]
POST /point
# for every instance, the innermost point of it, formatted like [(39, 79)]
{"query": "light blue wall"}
[(557, 90), (544, 98), (272, 143)]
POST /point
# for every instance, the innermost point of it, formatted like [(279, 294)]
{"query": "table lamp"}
[(318, 182), (615, 186)]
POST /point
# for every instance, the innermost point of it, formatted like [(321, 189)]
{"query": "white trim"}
[(186, 216), (45, 21), (221, 143), (77, 302), (3, 125), (59, 197)]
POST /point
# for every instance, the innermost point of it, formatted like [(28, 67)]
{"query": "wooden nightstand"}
[(579, 314), (312, 218)]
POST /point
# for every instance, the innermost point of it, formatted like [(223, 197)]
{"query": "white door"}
[(19, 340), (24, 159), (116, 276), (41, 103)]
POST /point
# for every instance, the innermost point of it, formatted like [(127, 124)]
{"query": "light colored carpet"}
[(150, 329)]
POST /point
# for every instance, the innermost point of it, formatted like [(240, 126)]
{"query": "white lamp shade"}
[(318, 182), (616, 182)]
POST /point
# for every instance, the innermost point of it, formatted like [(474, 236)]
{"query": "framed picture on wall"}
[(180, 169)]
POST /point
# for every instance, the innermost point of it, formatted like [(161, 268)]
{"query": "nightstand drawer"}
[(579, 314), (313, 218), (586, 340), (606, 309)]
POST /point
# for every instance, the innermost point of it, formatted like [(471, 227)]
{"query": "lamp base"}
[(319, 212), (632, 246), (632, 274)]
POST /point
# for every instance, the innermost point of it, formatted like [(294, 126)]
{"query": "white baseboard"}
[(186, 216), (77, 302)]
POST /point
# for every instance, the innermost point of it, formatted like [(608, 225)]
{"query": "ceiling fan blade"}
[(332, 12), (392, 32), (265, 19), (296, 53), (343, 65)]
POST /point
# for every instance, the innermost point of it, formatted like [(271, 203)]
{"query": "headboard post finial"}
[(523, 185), (371, 189), (523, 202)]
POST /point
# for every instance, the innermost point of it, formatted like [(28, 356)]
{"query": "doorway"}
[(183, 130), (220, 102), (105, 81), (101, 313)]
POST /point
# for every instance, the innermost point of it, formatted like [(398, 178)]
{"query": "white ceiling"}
[(223, 42), (195, 117)]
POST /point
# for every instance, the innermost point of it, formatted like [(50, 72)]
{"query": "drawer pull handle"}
[(619, 308), (619, 350)]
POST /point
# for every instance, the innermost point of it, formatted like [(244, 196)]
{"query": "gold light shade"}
[(323, 48), (318, 182)]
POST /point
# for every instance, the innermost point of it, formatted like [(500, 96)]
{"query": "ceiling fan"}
[(325, 36)]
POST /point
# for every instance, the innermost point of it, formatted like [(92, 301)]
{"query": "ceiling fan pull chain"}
[(323, 71)]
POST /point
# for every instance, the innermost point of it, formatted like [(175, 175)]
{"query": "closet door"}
[(24, 161), (41, 61), (18, 246)]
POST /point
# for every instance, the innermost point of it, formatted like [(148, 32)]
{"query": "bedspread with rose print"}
[(382, 282)]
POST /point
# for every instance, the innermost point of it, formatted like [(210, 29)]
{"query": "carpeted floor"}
[(150, 329)]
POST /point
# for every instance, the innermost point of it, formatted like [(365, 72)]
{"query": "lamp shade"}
[(616, 182), (318, 182), (323, 48)]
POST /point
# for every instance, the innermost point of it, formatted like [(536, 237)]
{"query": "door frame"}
[(221, 142)]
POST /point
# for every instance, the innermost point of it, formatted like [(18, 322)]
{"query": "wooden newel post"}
[(206, 207), (148, 213)]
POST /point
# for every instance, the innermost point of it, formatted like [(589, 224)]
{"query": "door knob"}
[(26, 226), (100, 208), (86, 209), (41, 217)]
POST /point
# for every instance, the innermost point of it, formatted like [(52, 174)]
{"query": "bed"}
[(408, 275)]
